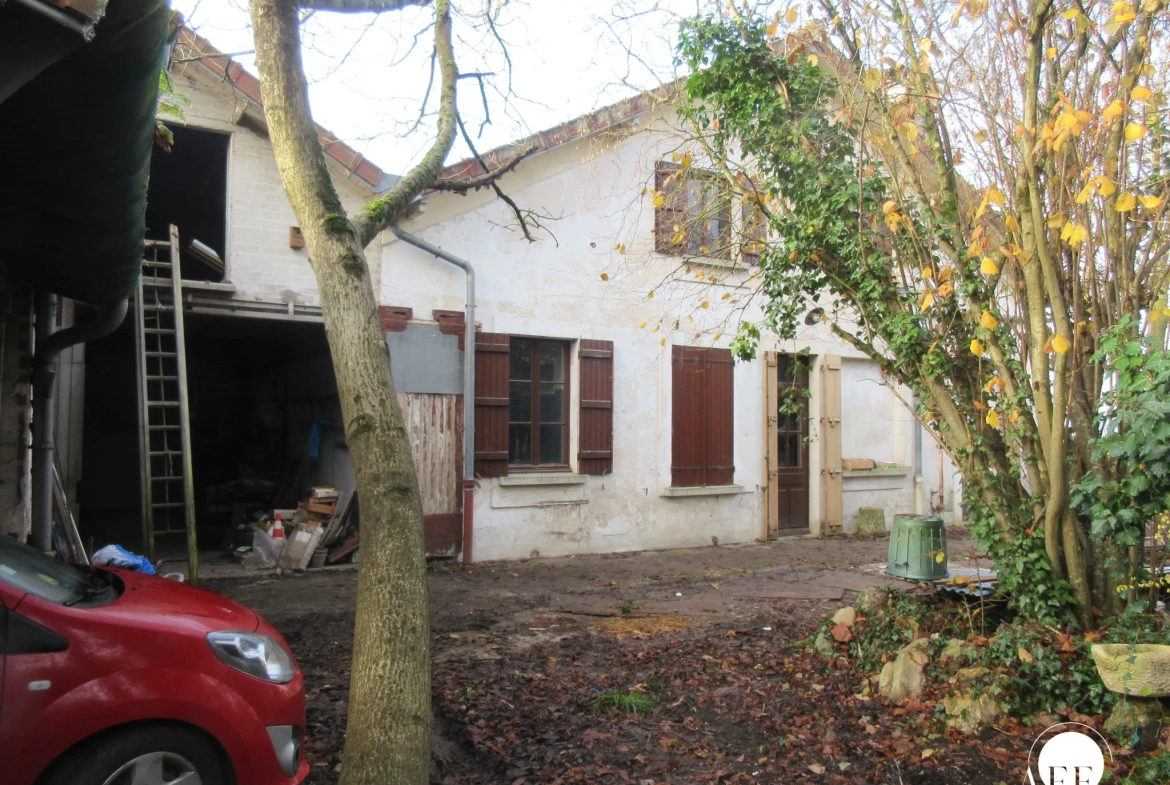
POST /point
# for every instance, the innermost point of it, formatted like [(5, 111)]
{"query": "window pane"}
[(552, 444), (521, 360), (552, 403), (794, 450), (552, 362), (520, 402), (519, 444)]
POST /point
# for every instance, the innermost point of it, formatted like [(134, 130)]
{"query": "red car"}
[(117, 678)]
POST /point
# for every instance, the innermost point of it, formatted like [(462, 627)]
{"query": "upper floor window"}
[(694, 215)]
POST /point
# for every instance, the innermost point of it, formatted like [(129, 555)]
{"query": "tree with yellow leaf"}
[(1021, 155)]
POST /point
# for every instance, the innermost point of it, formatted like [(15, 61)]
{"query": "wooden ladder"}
[(164, 418)]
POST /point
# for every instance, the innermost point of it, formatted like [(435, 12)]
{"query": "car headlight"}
[(254, 654)]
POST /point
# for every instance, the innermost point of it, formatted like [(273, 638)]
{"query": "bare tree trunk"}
[(389, 726)]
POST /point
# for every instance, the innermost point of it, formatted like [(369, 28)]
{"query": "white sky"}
[(568, 56)]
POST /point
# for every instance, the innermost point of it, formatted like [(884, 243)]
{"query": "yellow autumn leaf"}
[(945, 289), (1113, 110), (1066, 230), (650, 296), (887, 208), (662, 342), (726, 295), (1056, 220), (813, 60), (717, 336), (993, 419), (994, 383), (1014, 417), (988, 266), (659, 201), (642, 326), (704, 304), (1078, 235), (1071, 14), (928, 273), (790, 17), (605, 276), (770, 30), (1024, 654), (1059, 344), (656, 328), (944, 273), (1135, 131), (976, 347), (980, 137), (1125, 203), (995, 196), (927, 300), (1012, 224), (988, 321), (1150, 202), (909, 130), (1086, 193), (1140, 93)]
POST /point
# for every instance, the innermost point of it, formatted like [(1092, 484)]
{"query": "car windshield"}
[(37, 573)]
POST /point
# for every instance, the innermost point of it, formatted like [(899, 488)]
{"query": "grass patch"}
[(629, 702)]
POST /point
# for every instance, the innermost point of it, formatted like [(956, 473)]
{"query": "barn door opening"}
[(787, 457)]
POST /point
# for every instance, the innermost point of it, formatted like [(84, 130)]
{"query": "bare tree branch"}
[(483, 180), (359, 6), (383, 211)]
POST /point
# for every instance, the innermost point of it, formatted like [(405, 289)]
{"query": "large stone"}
[(871, 520), (956, 653), (968, 711), (845, 616), (872, 600), (903, 677), (1131, 715), (823, 645), (1141, 669)]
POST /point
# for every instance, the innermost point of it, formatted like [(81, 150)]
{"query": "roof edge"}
[(248, 85)]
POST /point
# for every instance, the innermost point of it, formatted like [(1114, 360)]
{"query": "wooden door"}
[(787, 458)]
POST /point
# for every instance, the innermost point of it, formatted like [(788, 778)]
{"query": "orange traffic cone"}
[(277, 529)]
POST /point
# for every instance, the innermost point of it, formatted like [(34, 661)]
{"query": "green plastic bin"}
[(918, 548)]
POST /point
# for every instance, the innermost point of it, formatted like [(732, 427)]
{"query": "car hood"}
[(171, 604)]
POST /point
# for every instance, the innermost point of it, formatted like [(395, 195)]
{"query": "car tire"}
[(160, 755)]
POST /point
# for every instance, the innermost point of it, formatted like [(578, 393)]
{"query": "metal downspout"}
[(49, 345), (468, 383)]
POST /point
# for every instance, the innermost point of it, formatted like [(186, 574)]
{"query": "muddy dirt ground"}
[(523, 651)]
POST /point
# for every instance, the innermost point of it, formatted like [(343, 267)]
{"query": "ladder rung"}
[(165, 479), (164, 427), (168, 505), (160, 354), (166, 452), (158, 331), (162, 378), (159, 282), (149, 263), (163, 308), (164, 403)]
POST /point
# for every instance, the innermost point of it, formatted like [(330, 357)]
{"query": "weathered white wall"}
[(555, 289)]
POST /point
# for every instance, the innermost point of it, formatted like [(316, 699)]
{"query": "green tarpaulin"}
[(76, 129)]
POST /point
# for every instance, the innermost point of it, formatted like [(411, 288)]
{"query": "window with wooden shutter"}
[(703, 420), (755, 232), (491, 404), (596, 440), (692, 214)]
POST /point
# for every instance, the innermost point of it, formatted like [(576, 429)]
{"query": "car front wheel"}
[(143, 756)]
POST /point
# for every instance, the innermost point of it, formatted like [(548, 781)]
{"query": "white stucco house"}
[(610, 415)]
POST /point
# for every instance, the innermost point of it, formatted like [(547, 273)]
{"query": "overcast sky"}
[(568, 57)]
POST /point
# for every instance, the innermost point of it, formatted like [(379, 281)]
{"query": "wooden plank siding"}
[(434, 427)]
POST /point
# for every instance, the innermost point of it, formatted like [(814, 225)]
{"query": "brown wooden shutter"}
[(596, 440), (719, 394), (491, 404), (669, 219), (831, 508), (687, 430)]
